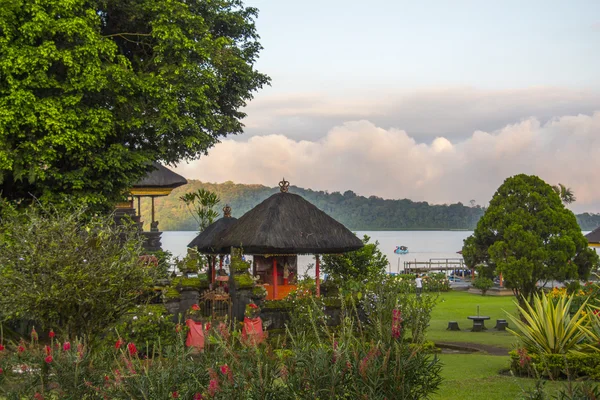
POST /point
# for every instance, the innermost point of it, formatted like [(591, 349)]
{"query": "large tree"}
[(529, 236), (92, 90)]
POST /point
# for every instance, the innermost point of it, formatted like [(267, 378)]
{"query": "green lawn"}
[(457, 306), (476, 376)]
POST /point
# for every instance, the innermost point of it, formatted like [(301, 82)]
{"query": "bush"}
[(483, 284), (150, 326), (74, 272), (571, 365)]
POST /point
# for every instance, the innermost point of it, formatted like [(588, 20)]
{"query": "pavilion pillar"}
[(501, 280), (318, 275), (213, 273), (220, 261), (274, 278)]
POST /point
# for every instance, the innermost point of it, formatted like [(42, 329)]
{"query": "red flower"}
[(207, 327), (132, 349), (38, 396), (175, 395), (20, 349), (1, 371), (2, 348), (48, 359), (67, 346), (196, 307), (178, 328), (48, 350), (225, 369), (198, 396), (252, 305), (51, 334), (119, 343)]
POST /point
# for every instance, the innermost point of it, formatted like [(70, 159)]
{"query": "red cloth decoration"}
[(252, 332), (195, 336)]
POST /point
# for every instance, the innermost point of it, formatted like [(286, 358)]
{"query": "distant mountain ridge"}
[(355, 212)]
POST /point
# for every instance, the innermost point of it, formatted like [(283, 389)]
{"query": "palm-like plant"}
[(566, 194), (548, 327)]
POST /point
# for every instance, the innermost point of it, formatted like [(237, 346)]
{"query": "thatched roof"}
[(206, 241), (593, 236), (285, 223), (161, 177)]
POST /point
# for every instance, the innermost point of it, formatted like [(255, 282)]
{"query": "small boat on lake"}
[(401, 250)]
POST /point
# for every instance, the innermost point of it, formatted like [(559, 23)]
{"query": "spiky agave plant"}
[(549, 328)]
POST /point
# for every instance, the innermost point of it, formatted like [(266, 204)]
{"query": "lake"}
[(422, 245)]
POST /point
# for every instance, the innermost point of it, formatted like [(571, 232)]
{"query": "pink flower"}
[(132, 349), (51, 334), (175, 395), (207, 327), (48, 350), (48, 359), (196, 307), (67, 346), (198, 396), (38, 396), (225, 369), (213, 387), (119, 343), (1, 371), (524, 358), (2, 348), (20, 349)]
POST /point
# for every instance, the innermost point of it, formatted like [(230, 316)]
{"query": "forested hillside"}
[(356, 212)]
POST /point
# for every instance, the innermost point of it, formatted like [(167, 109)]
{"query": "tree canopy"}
[(92, 91), (529, 236)]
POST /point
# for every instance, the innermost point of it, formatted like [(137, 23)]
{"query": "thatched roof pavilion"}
[(594, 238), (206, 241), (159, 182), (286, 223)]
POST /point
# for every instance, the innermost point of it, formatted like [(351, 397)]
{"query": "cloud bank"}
[(453, 112), (370, 160)]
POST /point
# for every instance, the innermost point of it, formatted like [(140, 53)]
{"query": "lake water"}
[(422, 245)]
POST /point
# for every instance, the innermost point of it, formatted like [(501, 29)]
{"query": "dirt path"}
[(492, 350)]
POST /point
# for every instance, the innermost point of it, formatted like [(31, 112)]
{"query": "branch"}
[(127, 34)]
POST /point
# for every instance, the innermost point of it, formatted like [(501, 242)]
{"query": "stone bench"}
[(501, 324), (453, 326), (477, 327)]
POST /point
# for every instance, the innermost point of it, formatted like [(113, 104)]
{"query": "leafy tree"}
[(483, 284), (92, 91), (68, 271), (201, 204), (566, 194), (368, 263), (529, 236)]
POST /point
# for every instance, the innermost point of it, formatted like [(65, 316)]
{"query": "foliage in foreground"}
[(346, 362), (549, 327), (74, 272)]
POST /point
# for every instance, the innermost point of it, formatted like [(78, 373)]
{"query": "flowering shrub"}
[(349, 361)]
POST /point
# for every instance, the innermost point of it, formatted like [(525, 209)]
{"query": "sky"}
[(429, 100)]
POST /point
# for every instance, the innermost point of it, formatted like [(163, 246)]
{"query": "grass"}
[(457, 306), (476, 376)]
